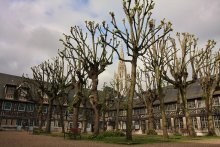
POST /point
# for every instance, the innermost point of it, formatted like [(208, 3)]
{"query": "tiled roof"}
[(8, 79)]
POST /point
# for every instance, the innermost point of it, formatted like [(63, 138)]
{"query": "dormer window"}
[(10, 91)]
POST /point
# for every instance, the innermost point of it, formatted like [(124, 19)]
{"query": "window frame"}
[(28, 106), (4, 106), (19, 107)]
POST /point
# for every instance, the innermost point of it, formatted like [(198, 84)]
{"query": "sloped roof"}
[(6, 79)]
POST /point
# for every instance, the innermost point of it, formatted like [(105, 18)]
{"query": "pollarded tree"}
[(35, 91), (53, 79), (209, 80), (137, 34), (155, 62), (106, 96), (188, 58), (119, 93), (79, 78), (147, 95), (93, 56)]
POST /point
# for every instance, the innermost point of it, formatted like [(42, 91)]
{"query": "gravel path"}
[(24, 139)]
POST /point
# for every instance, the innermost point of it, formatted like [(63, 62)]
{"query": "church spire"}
[(122, 52)]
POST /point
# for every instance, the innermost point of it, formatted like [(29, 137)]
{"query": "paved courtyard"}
[(24, 139)]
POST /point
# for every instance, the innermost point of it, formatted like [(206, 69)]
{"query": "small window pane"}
[(21, 107)]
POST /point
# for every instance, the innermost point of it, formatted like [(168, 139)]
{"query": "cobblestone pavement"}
[(24, 139)]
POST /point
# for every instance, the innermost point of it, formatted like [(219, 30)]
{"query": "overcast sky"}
[(30, 29)]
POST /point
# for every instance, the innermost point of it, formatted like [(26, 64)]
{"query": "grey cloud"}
[(30, 32), (44, 39)]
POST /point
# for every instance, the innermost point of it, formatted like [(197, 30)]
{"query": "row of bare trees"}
[(87, 52), (181, 64)]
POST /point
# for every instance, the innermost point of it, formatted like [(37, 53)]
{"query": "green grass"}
[(139, 139)]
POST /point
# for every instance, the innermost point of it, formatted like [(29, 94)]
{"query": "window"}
[(44, 109), (204, 122), (31, 123), (216, 101), (156, 108), (19, 122), (21, 107), (157, 124), (201, 103), (191, 104), (179, 122), (123, 125), (142, 111), (168, 123), (217, 121), (136, 125), (10, 92), (30, 107), (7, 105), (194, 121), (136, 112), (171, 107)]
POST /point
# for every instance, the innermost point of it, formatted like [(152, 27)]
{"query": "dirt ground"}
[(24, 139)]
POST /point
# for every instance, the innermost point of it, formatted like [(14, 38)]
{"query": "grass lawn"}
[(139, 139)]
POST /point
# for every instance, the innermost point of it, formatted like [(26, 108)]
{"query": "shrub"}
[(151, 132), (38, 131), (107, 134)]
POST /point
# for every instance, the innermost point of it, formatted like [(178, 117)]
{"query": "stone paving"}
[(24, 139)]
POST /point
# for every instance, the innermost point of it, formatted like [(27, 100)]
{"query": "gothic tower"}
[(121, 76)]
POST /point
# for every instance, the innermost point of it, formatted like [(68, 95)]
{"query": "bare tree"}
[(35, 93), (209, 80), (119, 93), (93, 56), (184, 60), (107, 95), (53, 79), (137, 34), (79, 80), (147, 95), (155, 61)]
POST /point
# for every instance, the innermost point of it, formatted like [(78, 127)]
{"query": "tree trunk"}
[(149, 107), (84, 122), (62, 119), (163, 114), (76, 105), (177, 116), (49, 116), (211, 129), (103, 121), (117, 114), (75, 116), (130, 98), (189, 124), (95, 104)]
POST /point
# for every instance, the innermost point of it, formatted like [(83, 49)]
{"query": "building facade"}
[(18, 110), (176, 121)]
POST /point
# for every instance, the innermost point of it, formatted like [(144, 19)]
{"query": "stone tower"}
[(121, 75)]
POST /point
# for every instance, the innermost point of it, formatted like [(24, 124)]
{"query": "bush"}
[(107, 134), (38, 131), (151, 132)]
